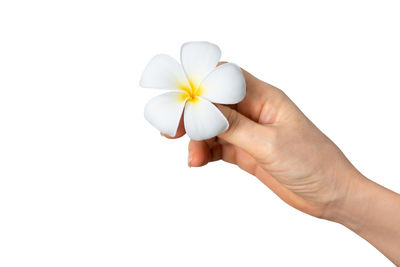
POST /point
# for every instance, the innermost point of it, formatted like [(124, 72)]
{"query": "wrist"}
[(351, 207), (371, 211)]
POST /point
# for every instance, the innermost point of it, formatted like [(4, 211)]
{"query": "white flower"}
[(193, 86)]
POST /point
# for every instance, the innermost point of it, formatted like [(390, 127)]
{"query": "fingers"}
[(243, 132), (199, 153), (202, 152), (246, 134)]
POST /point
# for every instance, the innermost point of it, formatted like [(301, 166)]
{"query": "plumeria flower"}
[(193, 86)]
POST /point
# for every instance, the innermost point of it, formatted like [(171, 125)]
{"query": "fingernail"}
[(190, 159), (161, 134)]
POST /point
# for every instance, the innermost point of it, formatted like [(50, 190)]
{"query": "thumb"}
[(246, 134)]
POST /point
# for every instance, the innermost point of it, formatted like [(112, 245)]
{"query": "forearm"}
[(372, 212)]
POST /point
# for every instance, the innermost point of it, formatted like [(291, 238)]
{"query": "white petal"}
[(164, 111), (198, 60), (203, 120), (225, 85), (163, 72)]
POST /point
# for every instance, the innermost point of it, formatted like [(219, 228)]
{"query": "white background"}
[(86, 181)]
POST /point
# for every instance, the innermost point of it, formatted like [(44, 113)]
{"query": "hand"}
[(269, 137)]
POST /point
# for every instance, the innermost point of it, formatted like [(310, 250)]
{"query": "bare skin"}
[(270, 138)]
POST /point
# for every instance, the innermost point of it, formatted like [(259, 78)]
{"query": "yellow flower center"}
[(191, 92)]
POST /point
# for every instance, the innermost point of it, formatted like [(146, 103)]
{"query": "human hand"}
[(272, 139), (269, 137)]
